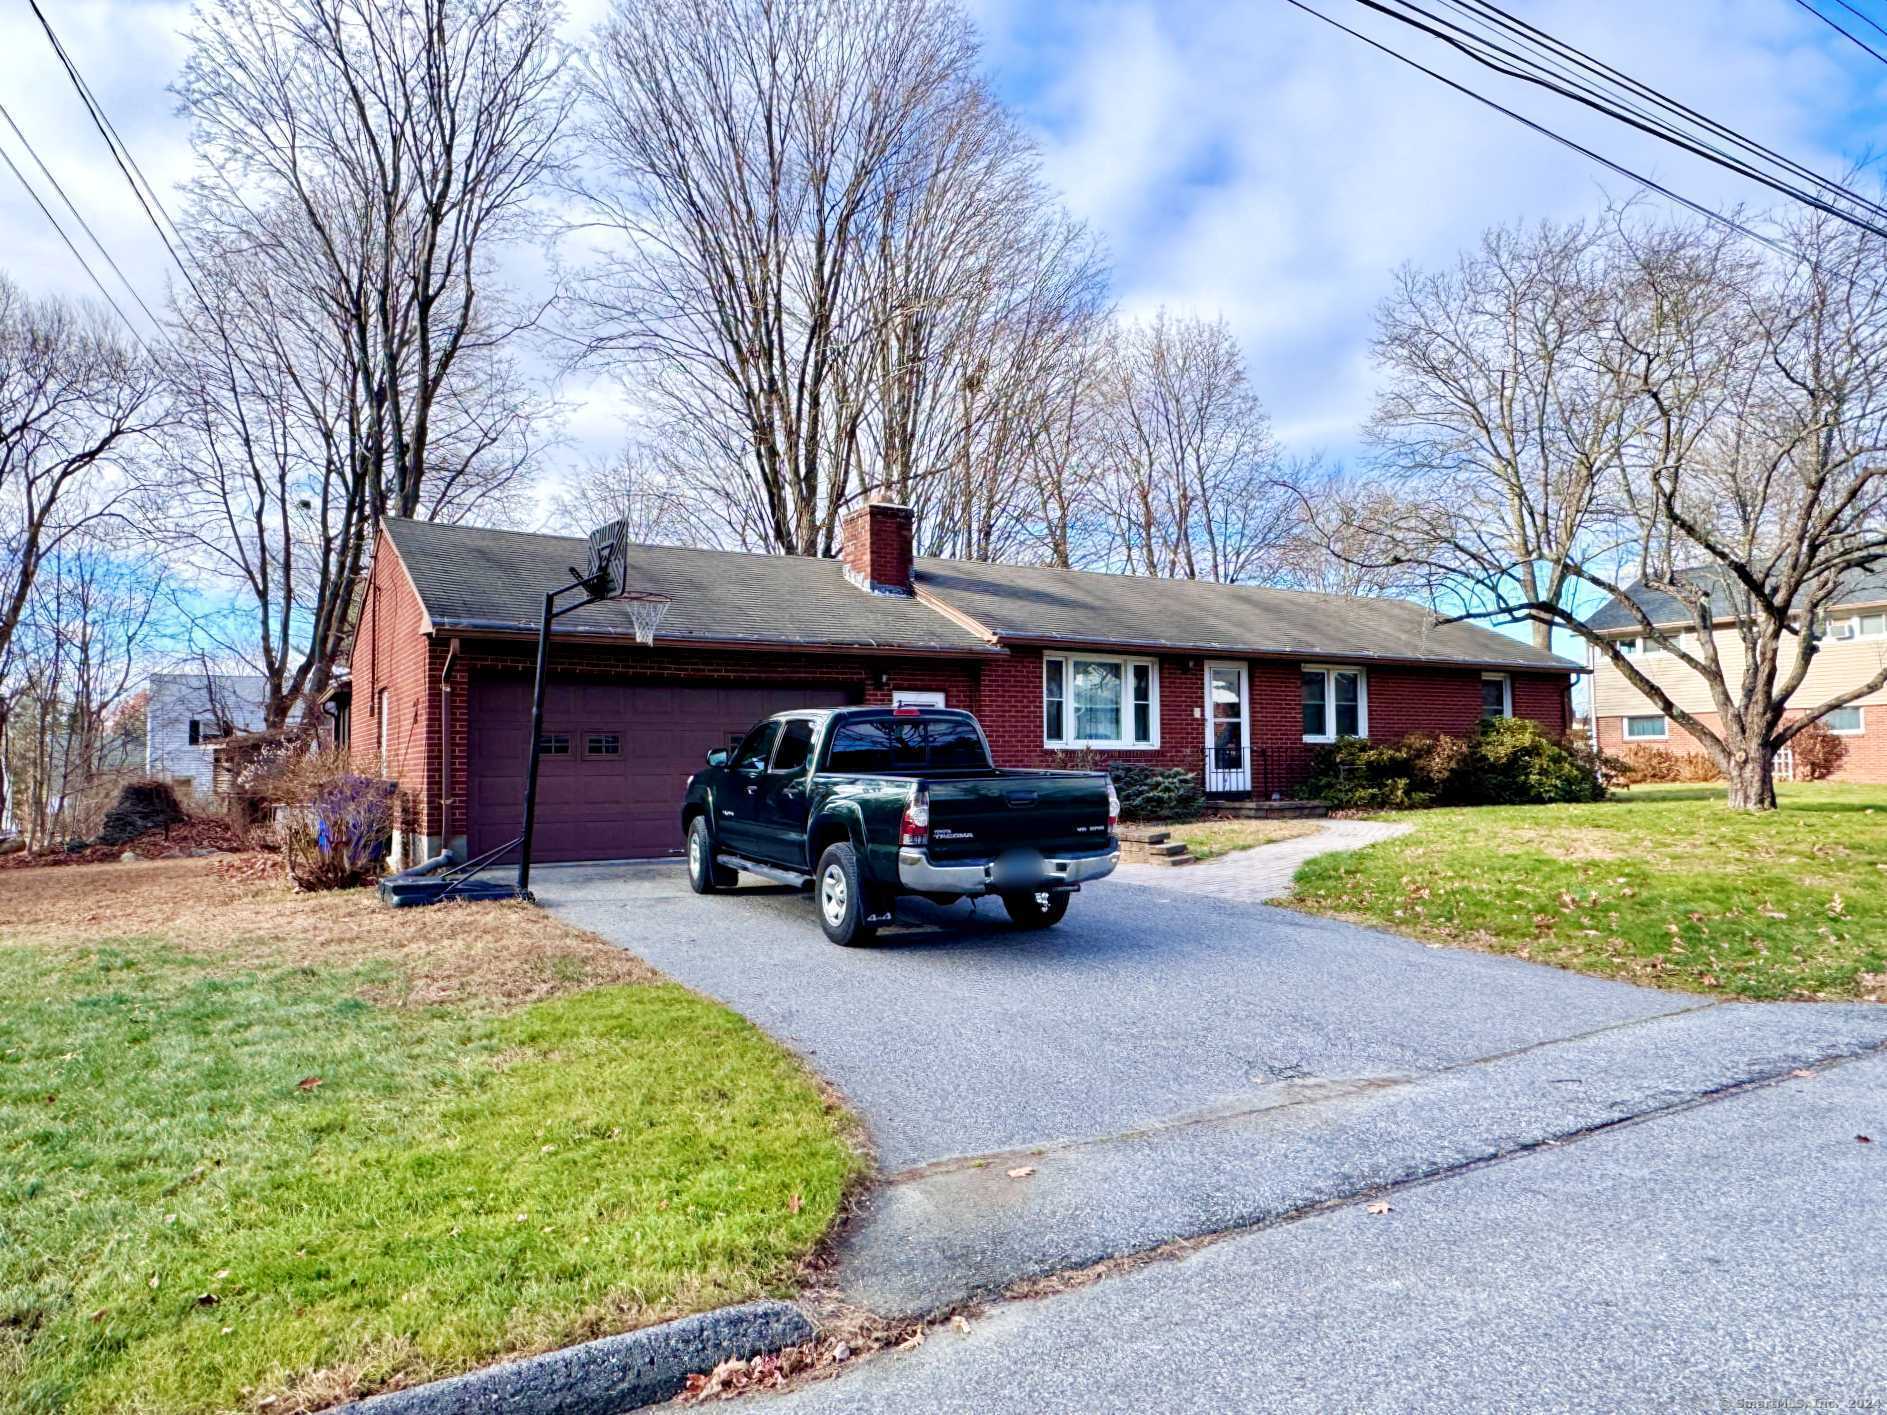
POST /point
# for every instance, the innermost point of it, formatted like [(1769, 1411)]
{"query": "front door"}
[(1228, 729), (784, 800)]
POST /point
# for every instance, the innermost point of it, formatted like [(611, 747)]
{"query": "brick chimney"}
[(875, 544)]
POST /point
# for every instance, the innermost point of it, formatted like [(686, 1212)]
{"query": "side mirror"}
[(717, 756)]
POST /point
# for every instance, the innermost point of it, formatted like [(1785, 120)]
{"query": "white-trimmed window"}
[(1497, 695), (1845, 721), (1336, 703), (1628, 647), (1650, 727), (1872, 625), (1092, 700)]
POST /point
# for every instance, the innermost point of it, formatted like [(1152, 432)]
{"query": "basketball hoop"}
[(646, 608)]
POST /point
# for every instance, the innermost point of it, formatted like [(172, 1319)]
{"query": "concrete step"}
[(1144, 835), (1271, 810)]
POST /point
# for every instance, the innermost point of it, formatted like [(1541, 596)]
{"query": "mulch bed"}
[(195, 834)]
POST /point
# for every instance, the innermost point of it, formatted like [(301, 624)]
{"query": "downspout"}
[(445, 744)]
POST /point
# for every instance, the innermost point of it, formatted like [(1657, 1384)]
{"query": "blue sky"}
[(1240, 158)]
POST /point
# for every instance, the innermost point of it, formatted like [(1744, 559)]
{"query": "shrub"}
[(1516, 762), (338, 837), (1156, 793), (1639, 764), (1354, 773), (1819, 753), (1510, 762), (142, 806)]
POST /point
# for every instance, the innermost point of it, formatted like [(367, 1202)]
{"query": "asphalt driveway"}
[(1168, 1065)]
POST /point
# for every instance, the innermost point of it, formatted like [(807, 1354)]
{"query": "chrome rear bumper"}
[(917, 874)]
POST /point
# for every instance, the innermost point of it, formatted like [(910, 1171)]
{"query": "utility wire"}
[(1489, 15), (1864, 17), (1407, 12), (120, 153), (1844, 32), (77, 255), (84, 225), (1698, 207)]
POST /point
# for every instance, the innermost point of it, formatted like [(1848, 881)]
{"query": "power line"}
[(77, 255), (1698, 207), (1491, 16), (1527, 71), (109, 133), (1841, 30), (84, 225)]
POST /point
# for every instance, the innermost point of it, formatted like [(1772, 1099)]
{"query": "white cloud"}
[(1247, 159)]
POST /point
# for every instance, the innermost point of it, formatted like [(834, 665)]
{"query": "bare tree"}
[(1712, 426), (361, 166), (1193, 484), (377, 154), (792, 193), (638, 486), (73, 399)]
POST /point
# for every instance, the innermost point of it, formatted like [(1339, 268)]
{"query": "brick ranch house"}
[(1853, 642), (1063, 667)]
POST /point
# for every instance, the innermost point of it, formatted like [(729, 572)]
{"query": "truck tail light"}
[(1113, 809), (914, 829)]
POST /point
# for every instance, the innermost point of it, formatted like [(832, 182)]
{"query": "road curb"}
[(613, 1373)]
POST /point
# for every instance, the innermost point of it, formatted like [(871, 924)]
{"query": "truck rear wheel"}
[(704, 876), (1036, 911), (838, 891)]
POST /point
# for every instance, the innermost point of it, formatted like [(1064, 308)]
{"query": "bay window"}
[(1097, 701), (1336, 703)]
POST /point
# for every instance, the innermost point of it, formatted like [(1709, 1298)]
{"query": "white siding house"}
[(182, 720)]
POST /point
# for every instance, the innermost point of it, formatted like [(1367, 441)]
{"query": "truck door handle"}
[(752, 789)]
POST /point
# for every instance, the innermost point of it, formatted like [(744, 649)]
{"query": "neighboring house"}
[(1062, 667), (1852, 648), (187, 712)]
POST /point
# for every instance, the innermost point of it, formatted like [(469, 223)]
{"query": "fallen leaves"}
[(1022, 1171), (309, 1083), (1380, 1206)]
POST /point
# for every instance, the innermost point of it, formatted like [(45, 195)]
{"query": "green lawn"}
[(1662, 885), (235, 1176), (1207, 838)]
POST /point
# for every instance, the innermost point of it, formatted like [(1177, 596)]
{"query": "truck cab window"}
[(757, 747), (795, 748)]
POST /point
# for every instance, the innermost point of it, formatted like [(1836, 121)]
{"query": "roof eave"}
[(1297, 655), (510, 629)]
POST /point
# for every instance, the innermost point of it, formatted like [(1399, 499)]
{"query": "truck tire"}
[(839, 893), (704, 876), (1036, 911)]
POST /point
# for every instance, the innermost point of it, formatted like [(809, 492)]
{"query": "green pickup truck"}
[(866, 804)]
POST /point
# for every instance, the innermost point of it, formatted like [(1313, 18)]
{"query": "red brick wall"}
[(391, 653), (1866, 760)]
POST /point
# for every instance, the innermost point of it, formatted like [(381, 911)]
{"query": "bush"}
[(1354, 773), (1516, 762), (1509, 762), (1156, 793), (1819, 753), (1639, 764), (338, 837)]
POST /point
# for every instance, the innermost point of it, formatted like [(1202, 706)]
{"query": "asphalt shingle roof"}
[(1664, 608), (473, 578), (1080, 606)]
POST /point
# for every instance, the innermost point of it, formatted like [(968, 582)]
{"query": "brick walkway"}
[(1264, 871)]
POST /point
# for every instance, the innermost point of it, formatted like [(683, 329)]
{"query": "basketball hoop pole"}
[(593, 588)]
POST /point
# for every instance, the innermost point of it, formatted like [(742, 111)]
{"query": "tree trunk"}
[(1752, 779)]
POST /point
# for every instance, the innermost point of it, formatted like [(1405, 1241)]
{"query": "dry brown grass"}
[(502, 954)]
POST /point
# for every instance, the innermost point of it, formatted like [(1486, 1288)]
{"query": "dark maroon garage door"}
[(617, 759)]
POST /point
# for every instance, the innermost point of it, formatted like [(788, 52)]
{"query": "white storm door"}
[(1228, 728)]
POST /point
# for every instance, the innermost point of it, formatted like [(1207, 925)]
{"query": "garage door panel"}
[(603, 807)]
